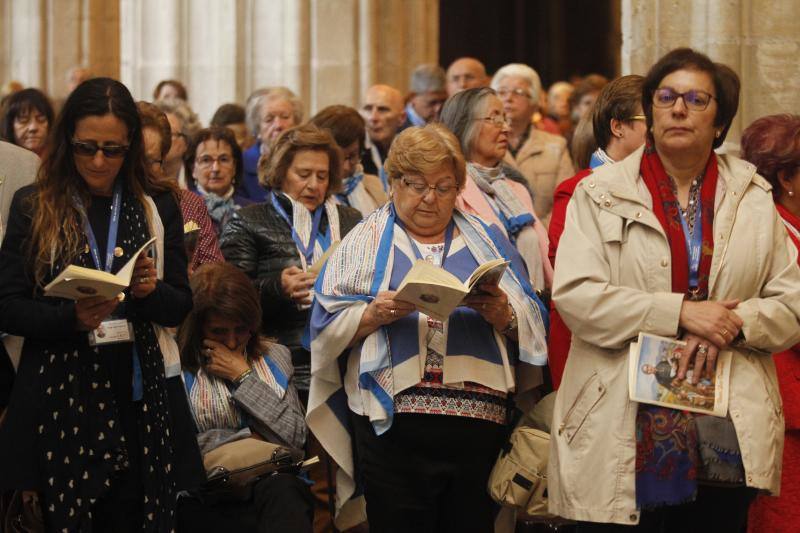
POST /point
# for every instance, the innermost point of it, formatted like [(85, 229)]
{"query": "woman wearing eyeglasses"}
[(477, 119), (675, 241), (426, 400), (214, 162), (92, 424)]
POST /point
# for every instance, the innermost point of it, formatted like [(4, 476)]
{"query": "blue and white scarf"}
[(355, 273)]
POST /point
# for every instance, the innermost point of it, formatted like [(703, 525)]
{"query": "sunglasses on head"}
[(90, 148)]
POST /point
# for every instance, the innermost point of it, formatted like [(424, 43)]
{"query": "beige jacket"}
[(612, 280), (544, 161), (18, 168)]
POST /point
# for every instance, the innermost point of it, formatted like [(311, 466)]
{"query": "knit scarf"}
[(667, 459), (220, 208), (510, 210), (80, 437)]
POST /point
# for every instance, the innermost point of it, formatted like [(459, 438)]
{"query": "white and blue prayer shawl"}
[(360, 268), (599, 158), (302, 222), (211, 400), (355, 195)]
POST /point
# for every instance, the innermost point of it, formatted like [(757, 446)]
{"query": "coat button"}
[(591, 185), (633, 517), (664, 262), (638, 214), (607, 203)]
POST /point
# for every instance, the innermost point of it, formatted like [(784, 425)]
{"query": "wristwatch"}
[(512, 324)]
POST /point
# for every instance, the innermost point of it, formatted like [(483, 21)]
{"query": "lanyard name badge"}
[(694, 248), (110, 331), (307, 251)]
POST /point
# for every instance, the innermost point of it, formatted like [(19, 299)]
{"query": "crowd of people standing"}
[(268, 305)]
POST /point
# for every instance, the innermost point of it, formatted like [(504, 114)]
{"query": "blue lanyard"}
[(384, 178), (694, 244), (448, 239), (307, 251), (350, 185), (113, 227)]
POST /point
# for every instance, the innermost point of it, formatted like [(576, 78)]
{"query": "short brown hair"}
[(424, 150), (179, 88), (726, 85), (153, 117), (228, 114), (345, 124), (297, 139), (590, 84), (224, 290), (619, 100), (772, 144), (218, 134)]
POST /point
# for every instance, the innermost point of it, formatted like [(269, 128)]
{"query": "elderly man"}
[(270, 111), (541, 157), (384, 114), (465, 73), (427, 95)]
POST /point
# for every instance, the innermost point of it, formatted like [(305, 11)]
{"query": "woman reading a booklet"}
[(427, 400), (772, 144), (92, 425), (678, 242), (240, 385)]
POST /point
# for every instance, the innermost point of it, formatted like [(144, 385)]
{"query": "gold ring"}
[(702, 349), (724, 333), (393, 312)]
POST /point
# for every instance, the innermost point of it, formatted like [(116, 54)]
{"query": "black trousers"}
[(428, 473), (715, 509), (281, 503)]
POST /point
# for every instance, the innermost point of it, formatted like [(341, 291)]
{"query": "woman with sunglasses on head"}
[(92, 425), (679, 242), (426, 399), (214, 164), (477, 119)]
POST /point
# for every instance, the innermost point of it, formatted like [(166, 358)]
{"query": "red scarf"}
[(794, 221), (667, 210)]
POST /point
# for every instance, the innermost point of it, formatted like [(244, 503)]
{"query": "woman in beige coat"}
[(624, 266)]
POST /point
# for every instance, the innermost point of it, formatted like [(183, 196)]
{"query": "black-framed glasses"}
[(420, 188), (695, 100), (90, 148), (206, 161)]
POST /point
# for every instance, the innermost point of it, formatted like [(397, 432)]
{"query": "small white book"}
[(653, 378), (316, 268), (436, 292), (76, 282)]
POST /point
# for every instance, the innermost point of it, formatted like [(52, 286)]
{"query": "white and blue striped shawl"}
[(355, 273)]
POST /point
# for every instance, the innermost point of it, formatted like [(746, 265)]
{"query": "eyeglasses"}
[(90, 148), (207, 161), (666, 97), (638, 117), (421, 188), (498, 120), (521, 93)]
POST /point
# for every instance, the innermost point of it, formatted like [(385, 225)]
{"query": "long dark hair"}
[(56, 230)]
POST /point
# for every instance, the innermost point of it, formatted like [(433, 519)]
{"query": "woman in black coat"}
[(93, 427), (277, 241)]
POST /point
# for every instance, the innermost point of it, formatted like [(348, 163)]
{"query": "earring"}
[(791, 193), (718, 133)]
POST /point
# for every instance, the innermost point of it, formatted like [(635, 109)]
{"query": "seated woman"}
[(276, 241), (476, 117), (26, 120), (214, 162), (427, 399), (360, 191), (239, 385)]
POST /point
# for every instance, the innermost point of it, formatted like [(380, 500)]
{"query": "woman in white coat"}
[(679, 242)]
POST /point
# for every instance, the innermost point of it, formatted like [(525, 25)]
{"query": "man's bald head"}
[(383, 112), (465, 73)]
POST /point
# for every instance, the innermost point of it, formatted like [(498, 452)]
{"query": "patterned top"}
[(193, 208), (431, 396)]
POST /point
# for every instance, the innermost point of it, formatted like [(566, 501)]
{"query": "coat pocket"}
[(591, 393)]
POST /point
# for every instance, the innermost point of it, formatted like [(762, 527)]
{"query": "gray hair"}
[(260, 96), (427, 78), (190, 124), (459, 114), (522, 71)]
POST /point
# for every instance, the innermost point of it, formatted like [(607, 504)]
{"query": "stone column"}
[(759, 39)]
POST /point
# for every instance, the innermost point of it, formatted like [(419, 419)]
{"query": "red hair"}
[(772, 144)]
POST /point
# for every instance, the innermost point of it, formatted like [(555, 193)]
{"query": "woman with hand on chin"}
[(427, 400), (91, 425), (675, 241)]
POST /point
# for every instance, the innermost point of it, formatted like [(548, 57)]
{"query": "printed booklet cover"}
[(653, 370)]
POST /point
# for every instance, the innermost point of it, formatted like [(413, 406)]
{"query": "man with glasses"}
[(427, 95), (541, 157)]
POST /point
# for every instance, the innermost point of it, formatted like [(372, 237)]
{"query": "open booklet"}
[(436, 292), (76, 282), (652, 378)]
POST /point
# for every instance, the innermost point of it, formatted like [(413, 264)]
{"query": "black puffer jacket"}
[(259, 242)]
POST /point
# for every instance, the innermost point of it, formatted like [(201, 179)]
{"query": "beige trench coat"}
[(544, 161), (612, 280)]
